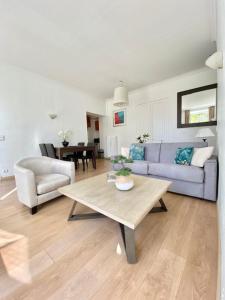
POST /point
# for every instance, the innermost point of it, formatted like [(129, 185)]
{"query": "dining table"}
[(60, 151)]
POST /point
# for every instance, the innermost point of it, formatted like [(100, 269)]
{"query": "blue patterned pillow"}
[(137, 152), (184, 156)]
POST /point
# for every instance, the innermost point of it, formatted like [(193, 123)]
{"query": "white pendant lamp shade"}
[(215, 61), (121, 95)]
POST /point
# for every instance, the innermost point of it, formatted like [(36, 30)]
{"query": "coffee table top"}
[(126, 207)]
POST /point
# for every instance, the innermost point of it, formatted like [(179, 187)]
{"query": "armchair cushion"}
[(49, 182)]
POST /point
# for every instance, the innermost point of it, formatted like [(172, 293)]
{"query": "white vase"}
[(124, 183)]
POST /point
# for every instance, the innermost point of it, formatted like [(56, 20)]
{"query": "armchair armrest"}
[(26, 186), (211, 178), (65, 168)]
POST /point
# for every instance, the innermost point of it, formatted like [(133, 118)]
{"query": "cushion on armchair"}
[(49, 182)]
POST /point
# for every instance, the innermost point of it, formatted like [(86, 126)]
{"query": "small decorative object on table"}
[(65, 134), (111, 176), (143, 138), (124, 181), (65, 143)]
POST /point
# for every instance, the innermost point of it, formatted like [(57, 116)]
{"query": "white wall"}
[(153, 109), (25, 101), (221, 139)]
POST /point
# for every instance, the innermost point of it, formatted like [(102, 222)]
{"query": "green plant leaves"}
[(123, 172)]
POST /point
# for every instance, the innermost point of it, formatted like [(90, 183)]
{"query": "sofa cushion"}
[(125, 151), (201, 155), (49, 182), (137, 152), (168, 150), (184, 156), (138, 167), (179, 172), (152, 152)]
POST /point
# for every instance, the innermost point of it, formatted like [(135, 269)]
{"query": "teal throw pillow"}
[(184, 156), (137, 152)]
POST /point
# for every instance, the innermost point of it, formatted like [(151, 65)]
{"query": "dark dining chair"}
[(89, 154), (80, 155), (50, 150), (43, 150), (72, 157)]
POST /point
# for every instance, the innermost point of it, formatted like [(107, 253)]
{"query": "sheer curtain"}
[(187, 116), (211, 113)]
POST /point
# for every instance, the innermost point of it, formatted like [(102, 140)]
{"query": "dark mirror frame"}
[(179, 106)]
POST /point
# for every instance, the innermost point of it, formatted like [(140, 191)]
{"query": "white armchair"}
[(38, 178)]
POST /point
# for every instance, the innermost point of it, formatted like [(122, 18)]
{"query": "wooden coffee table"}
[(128, 208)]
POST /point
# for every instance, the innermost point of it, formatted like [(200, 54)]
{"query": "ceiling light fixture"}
[(120, 95), (215, 61), (52, 116)]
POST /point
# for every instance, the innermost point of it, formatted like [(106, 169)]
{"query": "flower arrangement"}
[(65, 135), (143, 138), (120, 159)]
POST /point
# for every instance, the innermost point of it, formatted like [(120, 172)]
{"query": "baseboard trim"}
[(5, 178)]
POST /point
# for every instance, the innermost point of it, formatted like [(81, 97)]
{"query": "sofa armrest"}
[(65, 168), (26, 186), (211, 178)]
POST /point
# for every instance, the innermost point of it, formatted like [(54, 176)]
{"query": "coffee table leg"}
[(162, 207), (72, 210), (129, 243), (75, 217)]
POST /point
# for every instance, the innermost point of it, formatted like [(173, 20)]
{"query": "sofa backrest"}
[(152, 152), (168, 150)]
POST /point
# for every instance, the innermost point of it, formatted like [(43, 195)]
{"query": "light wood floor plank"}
[(56, 259)]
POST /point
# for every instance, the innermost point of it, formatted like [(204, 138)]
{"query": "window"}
[(200, 115)]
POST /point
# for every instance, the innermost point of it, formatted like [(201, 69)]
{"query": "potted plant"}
[(65, 134), (143, 138), (124, 181)]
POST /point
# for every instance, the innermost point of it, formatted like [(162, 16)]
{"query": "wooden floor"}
[(45, 257)]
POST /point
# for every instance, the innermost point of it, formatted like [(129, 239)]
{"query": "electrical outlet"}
[(2, 138)]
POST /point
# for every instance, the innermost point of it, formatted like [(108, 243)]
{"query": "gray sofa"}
[(187, 180)]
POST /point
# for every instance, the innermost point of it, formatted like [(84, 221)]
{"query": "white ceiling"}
[(92, 44)]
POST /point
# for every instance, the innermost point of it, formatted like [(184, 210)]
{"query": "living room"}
[(112, 150)]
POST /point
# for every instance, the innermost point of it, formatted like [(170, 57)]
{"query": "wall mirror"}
[(197, 107)]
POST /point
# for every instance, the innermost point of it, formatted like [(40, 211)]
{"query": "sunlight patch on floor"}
[(119, 249), (8, 194), (14, 255)]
